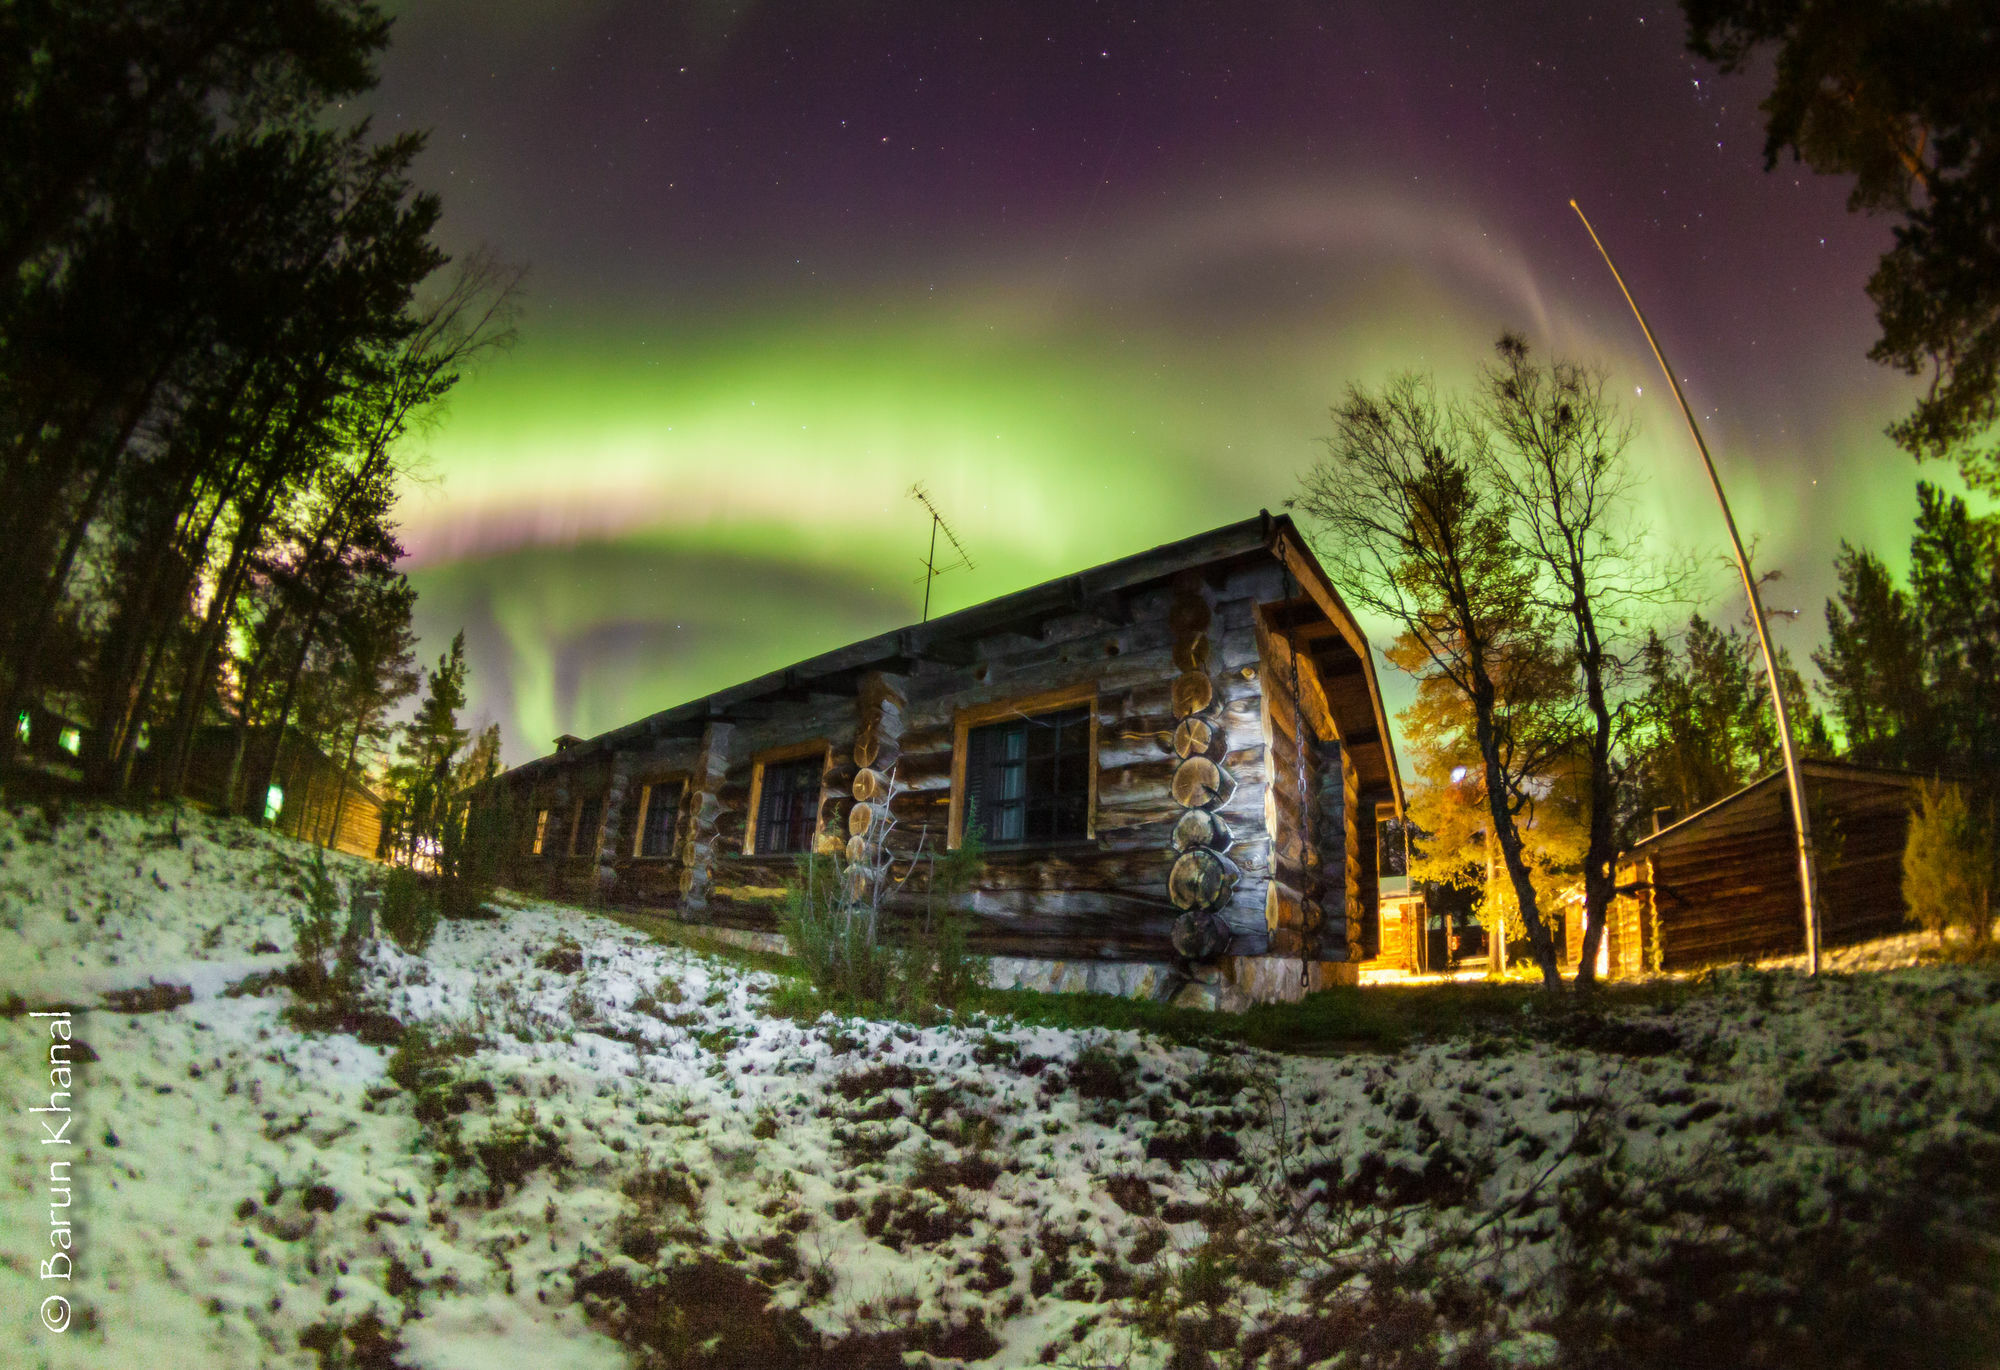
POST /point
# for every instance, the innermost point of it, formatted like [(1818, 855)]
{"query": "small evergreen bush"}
[(1949, 865), (937, 970), (833, 936), (315, 928), (472, 850), (831, 918), (409, 910)]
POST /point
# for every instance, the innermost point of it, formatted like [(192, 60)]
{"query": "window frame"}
[(538, 844), (576, 827), (818, 747), (678, 785), (1029, 706)]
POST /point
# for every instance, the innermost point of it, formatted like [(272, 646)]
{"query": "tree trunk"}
[(346, 779), (1539, 938), (201, 660), (290, 696), (235, 790), (1600, 859), (308, 401), (127, 754), (32, 631)]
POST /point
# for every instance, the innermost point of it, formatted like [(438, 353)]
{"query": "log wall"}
[(1724, 886), (1186, 818)]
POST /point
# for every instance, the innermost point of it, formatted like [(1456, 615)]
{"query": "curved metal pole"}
[(1801, 819)]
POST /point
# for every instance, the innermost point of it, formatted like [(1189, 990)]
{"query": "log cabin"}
[(1177, 762), (1722, 884)]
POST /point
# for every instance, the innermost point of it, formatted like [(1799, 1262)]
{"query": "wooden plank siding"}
[(1106, 643), (312, 786), (1722, 885)]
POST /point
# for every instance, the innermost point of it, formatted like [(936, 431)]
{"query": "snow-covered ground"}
[(616, 1156)]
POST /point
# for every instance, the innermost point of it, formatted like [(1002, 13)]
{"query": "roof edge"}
[(1823, 766), (1274, 534), (1305, 568)]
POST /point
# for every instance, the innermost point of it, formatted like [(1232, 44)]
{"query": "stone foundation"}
[(742, 937), (1129, 979), (1230, 985)]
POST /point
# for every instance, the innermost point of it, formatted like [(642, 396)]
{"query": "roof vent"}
[(566, 741)]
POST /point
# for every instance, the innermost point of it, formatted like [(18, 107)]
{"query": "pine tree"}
[(1900, 95), (378, 671), (481, 761), (421, 776), (1686, 747), (1955, 582), (1873, 667), (1911, 674)]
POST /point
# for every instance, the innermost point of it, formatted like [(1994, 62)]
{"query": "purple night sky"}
[(1095, 273)]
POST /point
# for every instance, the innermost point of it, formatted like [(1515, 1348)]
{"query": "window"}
[(541, 843), (274, 803), (658, 808), (1028, 779), (788, 805), (589, 818), (1392, 854)]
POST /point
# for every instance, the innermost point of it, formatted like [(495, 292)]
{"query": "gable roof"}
[(1811, 768), (950, 640)]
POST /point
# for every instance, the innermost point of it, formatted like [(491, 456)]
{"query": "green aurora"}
[(1093, 274), (622, 521)]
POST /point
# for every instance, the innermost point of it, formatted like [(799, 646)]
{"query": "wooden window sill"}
[(1060, 846)]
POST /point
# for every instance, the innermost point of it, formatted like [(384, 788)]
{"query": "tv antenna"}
[(930, 563)]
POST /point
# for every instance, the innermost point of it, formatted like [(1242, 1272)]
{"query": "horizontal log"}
[(923, 782), (1157, 819), (1154, 836), (1245, 760), (1133, 748), (1056, 665), (1153, 776), (1246, 805)]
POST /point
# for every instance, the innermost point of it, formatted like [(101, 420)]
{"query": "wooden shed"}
[(309, 798), (1194, 731), (1722, 884)]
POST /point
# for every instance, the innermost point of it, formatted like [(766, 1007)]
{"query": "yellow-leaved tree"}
[(1448, 803)]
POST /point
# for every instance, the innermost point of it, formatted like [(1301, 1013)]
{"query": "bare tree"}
[(1410, 519), (1557, 461)]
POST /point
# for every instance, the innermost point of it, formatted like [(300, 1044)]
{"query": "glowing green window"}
[(274, 803)]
